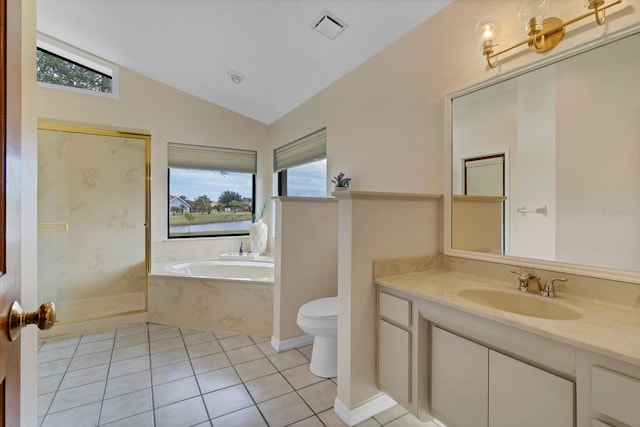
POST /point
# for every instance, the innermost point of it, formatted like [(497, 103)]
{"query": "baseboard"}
[(92, 326), (291, 343), (351, 417)]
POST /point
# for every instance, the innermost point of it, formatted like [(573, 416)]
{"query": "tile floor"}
[(152, 375)]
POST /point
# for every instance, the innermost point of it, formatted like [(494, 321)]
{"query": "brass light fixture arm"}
[(600, 16)]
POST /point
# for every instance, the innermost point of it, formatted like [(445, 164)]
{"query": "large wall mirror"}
[(546, 165)]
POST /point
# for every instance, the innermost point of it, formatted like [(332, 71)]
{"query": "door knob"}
[(44, 317)]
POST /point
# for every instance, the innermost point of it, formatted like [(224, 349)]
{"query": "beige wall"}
[(306, 258), (170, 116)]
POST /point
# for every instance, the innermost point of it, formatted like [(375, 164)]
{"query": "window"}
[(211, 190), (302, 166), (59, 66)]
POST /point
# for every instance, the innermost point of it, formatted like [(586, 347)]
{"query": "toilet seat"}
[(320, 309)]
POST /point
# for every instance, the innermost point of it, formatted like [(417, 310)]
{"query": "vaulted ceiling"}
[(272, 46)]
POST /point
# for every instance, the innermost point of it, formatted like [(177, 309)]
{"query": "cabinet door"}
[(521, 395), (394, 361), (459, 380)]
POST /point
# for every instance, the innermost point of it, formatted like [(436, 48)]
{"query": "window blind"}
[(188, 156), (304, 150)]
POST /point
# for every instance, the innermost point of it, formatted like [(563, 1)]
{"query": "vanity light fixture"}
[(543, 33)]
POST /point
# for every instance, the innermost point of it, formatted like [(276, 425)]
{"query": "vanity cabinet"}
[(394, 347), (473, 385)]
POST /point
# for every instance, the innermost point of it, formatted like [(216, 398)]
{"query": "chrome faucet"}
[(240, 252), (524, 279), (549, 288)]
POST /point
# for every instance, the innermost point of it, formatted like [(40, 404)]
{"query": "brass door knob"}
[(44, 317)]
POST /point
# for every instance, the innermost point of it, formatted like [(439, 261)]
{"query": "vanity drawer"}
[(395, 309), (615, 395)]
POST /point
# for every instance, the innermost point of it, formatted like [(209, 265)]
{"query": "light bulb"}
[(532, 12), (487, 30)]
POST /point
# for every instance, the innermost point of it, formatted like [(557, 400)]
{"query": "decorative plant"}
[(340, 181)]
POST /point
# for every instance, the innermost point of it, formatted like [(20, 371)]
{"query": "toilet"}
[(320, 319)]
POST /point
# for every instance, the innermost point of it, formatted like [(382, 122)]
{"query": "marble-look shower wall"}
[(96, 185)]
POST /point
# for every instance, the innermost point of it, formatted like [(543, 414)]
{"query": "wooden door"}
[(9, 230)]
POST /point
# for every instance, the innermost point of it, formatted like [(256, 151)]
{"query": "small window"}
[(302, 166), (59, 66), (211, 191)]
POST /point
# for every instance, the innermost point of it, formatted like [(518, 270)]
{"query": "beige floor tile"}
[(65, 342), (164, 334), (89, 360), (77, 396), (84, 376), (98, 336), (94, 347), (125, 406), (390, 414), (49, 384), (56, 354), (175, 391), (186, 413), (268, 387), (210, 363), (130, 352), (306, 351), (285, 410), (218, 379), (320, 396), (141, 420), (189, 331), (52, 368), (166, 344), (198, 337), (313, 421), (255, 369), (330, 419), (44, 402), (129, 340), (128, 366), (128, 384), (235, 342), (288, 359), (224, 334), (132, 330), (266, 348), (408, 420), (158, 327), (258, 340), (301, 376), (82, 416), (248, 417), (172, 372), (244, 354), (227, 400), (168, 357), (204, 349), (369, 422)]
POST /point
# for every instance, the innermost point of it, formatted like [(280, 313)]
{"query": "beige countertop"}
[(605, 328)]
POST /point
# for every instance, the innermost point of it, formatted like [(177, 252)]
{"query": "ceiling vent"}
[(329, 25)]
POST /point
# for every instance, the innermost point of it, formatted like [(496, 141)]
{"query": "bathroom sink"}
[(520, 303)]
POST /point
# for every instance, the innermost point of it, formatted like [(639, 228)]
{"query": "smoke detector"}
[(329, 25)]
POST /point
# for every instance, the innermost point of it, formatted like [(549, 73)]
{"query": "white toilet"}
[(320, 319)]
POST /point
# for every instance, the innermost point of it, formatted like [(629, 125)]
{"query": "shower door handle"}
[(44, 317)]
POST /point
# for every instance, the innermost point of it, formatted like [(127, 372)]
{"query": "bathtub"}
[(212, 294), (256, 271)]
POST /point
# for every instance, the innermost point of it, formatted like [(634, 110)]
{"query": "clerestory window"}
[(302, 166), (59, 66)]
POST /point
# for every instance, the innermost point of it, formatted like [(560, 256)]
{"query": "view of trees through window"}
[(209, 203), (56, 70)]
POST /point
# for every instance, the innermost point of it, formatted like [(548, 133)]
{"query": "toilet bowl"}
[(320, 319)]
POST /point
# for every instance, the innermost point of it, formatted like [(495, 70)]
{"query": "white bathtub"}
[(221, 295), (254, 271)]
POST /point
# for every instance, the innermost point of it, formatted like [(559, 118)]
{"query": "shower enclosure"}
[(93, 221)]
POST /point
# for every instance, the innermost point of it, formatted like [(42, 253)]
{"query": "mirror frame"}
[(582, 270)]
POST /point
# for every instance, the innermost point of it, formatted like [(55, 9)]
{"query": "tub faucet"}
[(524, 279), (240, 252)]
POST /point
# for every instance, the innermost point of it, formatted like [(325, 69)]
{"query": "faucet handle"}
[(549, 288)]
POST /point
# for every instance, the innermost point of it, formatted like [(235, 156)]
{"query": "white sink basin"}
[(521, 303)]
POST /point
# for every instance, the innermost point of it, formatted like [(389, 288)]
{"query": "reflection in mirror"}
[(546, 165)]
